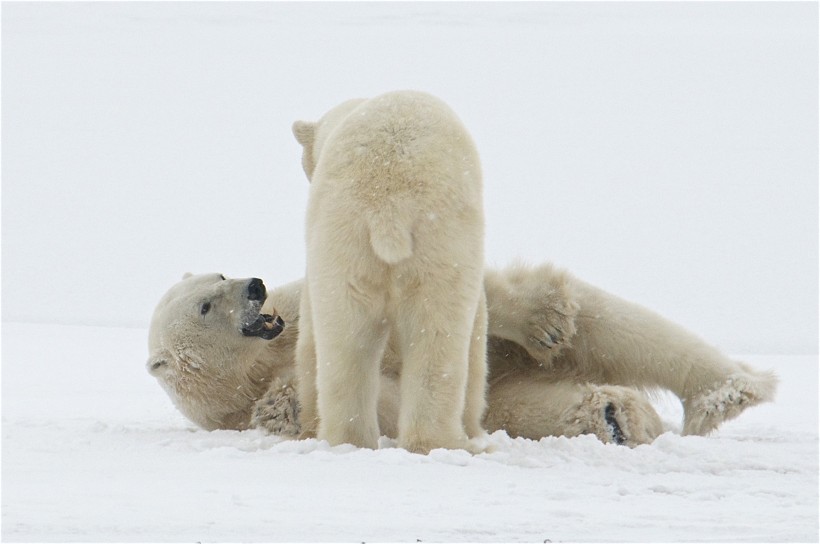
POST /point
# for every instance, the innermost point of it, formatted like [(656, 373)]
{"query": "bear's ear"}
[(305, 133), (186, 275), (157, 362)]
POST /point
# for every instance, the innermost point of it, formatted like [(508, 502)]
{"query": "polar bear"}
[(199, 326), (395, 235), (564, 359)]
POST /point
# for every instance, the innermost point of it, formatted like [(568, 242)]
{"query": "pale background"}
[(666, 152)]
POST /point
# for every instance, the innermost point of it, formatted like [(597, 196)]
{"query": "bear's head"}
[(205, 333), (312, 136)]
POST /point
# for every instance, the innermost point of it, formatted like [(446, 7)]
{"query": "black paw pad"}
[(612, 423)]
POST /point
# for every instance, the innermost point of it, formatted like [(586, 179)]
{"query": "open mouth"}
[(266, 326)]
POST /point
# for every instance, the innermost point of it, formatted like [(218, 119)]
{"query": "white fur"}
[(559, 353), (394, 251), (210, 370), (617, 342)]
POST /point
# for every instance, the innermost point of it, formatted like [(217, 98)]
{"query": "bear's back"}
[(401, 145)]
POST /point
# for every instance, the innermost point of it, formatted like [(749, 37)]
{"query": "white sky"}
[(666, 152)]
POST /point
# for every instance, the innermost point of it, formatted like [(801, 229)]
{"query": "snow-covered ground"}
[(94, 451), (666, 152)]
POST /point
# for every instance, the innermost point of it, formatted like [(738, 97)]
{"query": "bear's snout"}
[(256, 290)]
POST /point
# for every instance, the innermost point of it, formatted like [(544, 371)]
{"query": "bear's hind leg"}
[(743, 388), (476, 394), (306, 369), (350, 343), (524, 405), (617, 415), (434, 347)]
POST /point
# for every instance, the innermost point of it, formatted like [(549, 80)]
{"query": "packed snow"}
[(93, 450)]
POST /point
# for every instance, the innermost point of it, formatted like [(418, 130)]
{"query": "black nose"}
[(256, 290)]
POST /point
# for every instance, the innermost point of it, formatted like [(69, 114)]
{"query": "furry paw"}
[(533, 307), (277, 411), (549, 330), (549, 324), (617, 415), (704, 412)]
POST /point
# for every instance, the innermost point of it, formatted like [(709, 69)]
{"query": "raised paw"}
[(548, 329), (533, 307), (277, 412)]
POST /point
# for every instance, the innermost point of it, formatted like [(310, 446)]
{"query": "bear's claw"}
[(547, 339)]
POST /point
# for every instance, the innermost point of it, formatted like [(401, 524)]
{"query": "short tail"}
[(391, 234)]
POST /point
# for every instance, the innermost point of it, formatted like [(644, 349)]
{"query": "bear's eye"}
[(205, 308), (223, 277)]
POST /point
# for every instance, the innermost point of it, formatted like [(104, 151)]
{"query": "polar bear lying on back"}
[(395, 230), (565, 358)]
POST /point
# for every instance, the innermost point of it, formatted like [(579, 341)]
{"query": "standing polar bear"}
[(395, 231), (563, 357)]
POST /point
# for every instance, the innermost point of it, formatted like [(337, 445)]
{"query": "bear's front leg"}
[(534, 307), (277, 412)]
